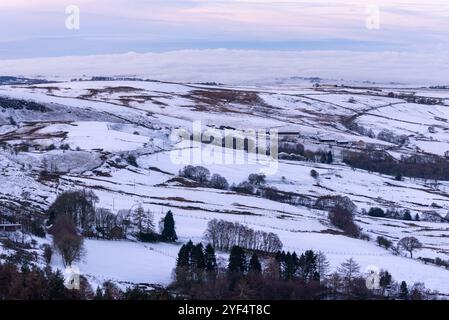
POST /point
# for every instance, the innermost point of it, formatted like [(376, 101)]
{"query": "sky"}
[(44, 28)]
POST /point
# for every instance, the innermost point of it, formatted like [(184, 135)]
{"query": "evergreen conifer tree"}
[(168, 228)]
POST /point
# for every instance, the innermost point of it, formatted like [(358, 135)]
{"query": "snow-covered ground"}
[(105, 122)]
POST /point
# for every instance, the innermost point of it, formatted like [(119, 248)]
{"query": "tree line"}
[(223, 235), (249, 275), (417, 166)]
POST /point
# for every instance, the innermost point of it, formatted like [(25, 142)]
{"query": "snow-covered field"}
[(102, 122)]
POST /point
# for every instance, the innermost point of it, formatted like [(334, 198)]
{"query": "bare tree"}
[(224, 235), (410, 244), (348, 272), (67, 240)]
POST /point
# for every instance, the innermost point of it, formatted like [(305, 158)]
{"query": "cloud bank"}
[(243, 66)]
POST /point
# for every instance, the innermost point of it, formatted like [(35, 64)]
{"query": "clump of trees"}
[(78, 204), (330, 202), (252, 185), (390, 136), (291, 149), (390, 213), (195, 263), (32, 283), (343, 219), (203, 176), (429, 167), (101, 223), (224, 235), (249, 275), (384, 242)]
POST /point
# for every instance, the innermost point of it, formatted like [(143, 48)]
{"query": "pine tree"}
[(183, 257), (403, 290), (407, 215), (417, 217), (385, 280), (237, 260), (308, 266), (99, 294), (168, 228), (183, 264), (197, 262), (291, 263), (197, 257), (210, 258), (254, 264)]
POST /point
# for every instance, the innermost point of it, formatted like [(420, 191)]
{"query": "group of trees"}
[(391, 214), (290, 149), (407, 244), (32, 283), (203, 176), (79, 207), (246, 275), (309, 266), (343, 219), (390, 136), (223, 235), (195, 263), (429, 167)]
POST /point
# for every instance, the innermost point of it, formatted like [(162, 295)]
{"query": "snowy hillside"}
[(88, 133)]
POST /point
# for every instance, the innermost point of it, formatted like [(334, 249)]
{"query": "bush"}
[(148, 237), (64, 146), (384, 242), (314, 174), (132, 160), (376, 212)]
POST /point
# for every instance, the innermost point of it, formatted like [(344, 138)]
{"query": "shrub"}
[(131, 159), (314, 174), (148, 237), (384, 242), (376, 212), (64, 146)]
